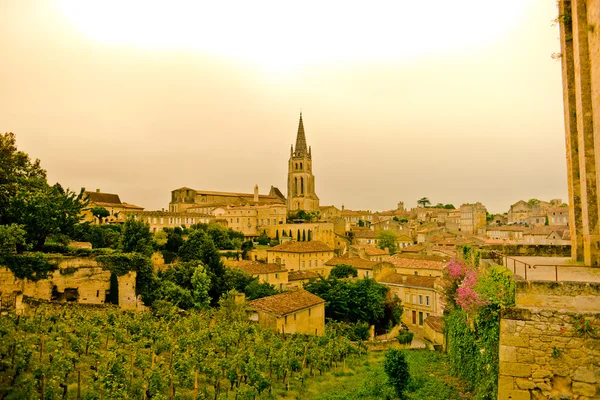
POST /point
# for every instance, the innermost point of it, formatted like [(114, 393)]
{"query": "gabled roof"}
[(301, 247), (417, 263), (301, 275), (256, 268), (357, 262), (105, 198), (409, 280), (365, 234), (286, 303)]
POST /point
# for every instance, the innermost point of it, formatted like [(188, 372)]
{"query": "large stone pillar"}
[(581, 141)]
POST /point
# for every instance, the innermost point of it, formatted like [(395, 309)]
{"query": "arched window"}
[(295, 185), (301, 185), (300, 165)]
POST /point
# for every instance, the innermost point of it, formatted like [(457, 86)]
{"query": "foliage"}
[(396, 369), (405, 337), (122, 355), (17, 173), (263, 239), (200, 247), (352, 301), (121, 263), (387, 240), (100, 236), (423, 202), (532, 202), (100, 213), (11, 237), (587, 327), (160, 239), (343, 271), (307, 216), (33, 266), (45, 211), (136, 237), (255, 290), (473, 298)]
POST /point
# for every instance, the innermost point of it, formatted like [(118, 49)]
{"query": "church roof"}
[(301, 148)]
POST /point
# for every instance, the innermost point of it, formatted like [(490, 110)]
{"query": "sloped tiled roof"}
[(301, 275), (435, 323), (255, 267), (286, 303), (416, 263), (301, 247), (414, 248), (409, 280), (357, 262), (365, 234), (106, 198), (371, 250)]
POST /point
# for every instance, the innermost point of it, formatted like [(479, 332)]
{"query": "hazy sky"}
[(457, 101)]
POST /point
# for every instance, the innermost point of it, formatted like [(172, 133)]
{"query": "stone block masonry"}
[(543, 353)]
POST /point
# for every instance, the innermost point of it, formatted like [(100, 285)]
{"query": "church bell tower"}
[(301, 181)]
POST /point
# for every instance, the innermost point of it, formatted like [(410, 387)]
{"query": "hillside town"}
[(267, 293)]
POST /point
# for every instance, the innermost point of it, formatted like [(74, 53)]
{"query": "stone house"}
[(185, 198), (301, 256), (472, 217), (548, 235), (297, 279), (419, 265), (370, 253), (418, 294), (558, 216), (253, 219), (290, 312), (111, 202), (365, 237), (509, 233)]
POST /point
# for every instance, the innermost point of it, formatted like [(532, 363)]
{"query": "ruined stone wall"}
[(542, 353), (77, 279)]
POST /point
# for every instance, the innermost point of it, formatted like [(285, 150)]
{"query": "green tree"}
[(449, 207), (263, 239), (396, 369), (46, 211), (100, 213), (12, 237), (423, 202), (256, 290), (343, 271), (532, 202), (387, 240), (17, 173), (136, 237), (200, 288)]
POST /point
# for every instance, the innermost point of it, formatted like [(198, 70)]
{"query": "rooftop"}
[(301, 247), (301, 275), (255, 267), (409, 280), (287, 302)]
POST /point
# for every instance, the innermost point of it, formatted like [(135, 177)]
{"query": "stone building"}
[(205, 201), (290, 312), (301, 181), (472, 217), (273, 274), (301, 256), (111, 202), (579, 22)]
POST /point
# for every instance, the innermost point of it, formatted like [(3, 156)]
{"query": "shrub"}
[(405, 337), (396, 369)]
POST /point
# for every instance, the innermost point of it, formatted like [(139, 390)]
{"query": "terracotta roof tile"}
[(365, 234), (255, 267), (106, 198), (416, 263), (409, 280), (435, 323), (301, 247), (286, 303), (301, 275), (356, 262)]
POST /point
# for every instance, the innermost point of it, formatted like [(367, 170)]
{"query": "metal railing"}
[(527, 266)]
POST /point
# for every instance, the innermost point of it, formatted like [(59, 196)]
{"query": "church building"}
[(301, 181)]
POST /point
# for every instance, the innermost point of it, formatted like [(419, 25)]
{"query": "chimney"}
[(97, 190), (256, 193)]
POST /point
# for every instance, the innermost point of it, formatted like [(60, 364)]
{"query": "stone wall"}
[(542, 354), (77, 279)]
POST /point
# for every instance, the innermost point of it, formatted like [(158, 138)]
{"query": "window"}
[(285, 320), (427, 300), (407, 298), (420, 299), (420, 318), (309, 312), (277, 276), (414, 299)]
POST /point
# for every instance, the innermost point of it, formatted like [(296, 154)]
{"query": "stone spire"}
[(300, 139)]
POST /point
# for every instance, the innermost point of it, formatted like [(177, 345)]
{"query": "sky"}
[(455, 101)]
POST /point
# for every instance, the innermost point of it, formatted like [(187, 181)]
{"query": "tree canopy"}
[(387, 240)]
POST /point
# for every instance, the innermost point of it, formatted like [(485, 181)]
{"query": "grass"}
[(364, 378)]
